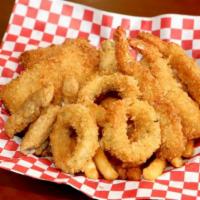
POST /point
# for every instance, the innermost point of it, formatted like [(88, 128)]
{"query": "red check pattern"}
[(40, 23)]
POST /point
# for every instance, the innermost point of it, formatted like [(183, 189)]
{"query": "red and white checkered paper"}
[(39, 23)]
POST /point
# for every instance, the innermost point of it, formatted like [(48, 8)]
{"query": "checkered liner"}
[(39, 23)]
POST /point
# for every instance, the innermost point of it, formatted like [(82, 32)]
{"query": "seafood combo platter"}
[(106, 103)]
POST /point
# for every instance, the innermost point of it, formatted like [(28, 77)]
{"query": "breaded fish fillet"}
[(187, 69), (39, 130), (30, 110), (75, 58)]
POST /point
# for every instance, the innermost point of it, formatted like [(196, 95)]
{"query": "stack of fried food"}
[(103, 113)]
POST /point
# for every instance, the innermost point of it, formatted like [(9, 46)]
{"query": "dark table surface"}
[(14, 186)]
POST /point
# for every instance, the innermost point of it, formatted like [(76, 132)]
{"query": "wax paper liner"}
[(39, 23)]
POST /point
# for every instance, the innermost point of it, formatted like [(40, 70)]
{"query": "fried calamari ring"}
[(30, 110), (73, 160), (126, 86), (146, 136)]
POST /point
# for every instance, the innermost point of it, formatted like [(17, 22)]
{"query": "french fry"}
[(104, 166), (189, 149), (177, 162), (134, 173), (154, 170), (91, 170)]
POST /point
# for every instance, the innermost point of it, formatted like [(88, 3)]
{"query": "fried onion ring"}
[(126, 86), (146, 134), (73, 160)]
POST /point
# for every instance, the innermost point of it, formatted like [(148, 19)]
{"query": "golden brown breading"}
[(39, 130), (73, 160), (185, 67), (187, 108), (172, 139), (30, 110), (107, 64), (72, 59), (146, 134), (17, 91)]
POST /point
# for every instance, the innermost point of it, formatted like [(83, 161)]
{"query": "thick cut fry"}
[(30, 110), (189, 149), (39, 131), (91, 170), (190, 114), (134, 173), (154, 170), (186, 68), (104, 166), (172, 139), (177, 162)]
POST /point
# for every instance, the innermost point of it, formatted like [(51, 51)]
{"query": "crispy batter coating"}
[(107, 64), (172, 144), (126, 86), (146, 133), (187, 108), (30, 110), (39, 130), (185, 67), (72, 160), (49, 65)]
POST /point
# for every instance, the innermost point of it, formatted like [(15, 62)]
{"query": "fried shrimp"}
[(145, 138), (39, 131), (73, 160), (107, 64), (30, 110), (185, 67), (172, 139), (190, 114)]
